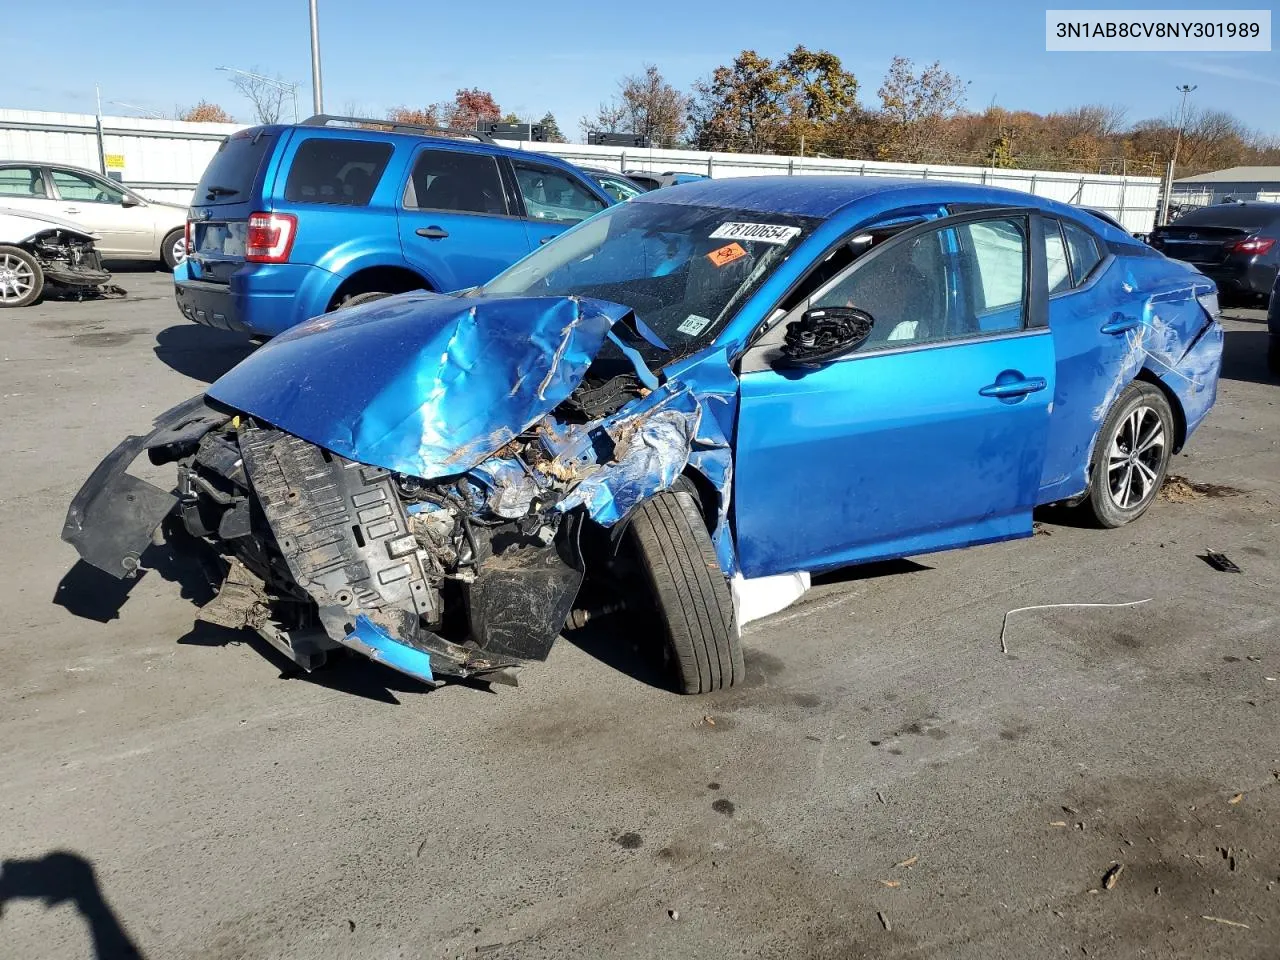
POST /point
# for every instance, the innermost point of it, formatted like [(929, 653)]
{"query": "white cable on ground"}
[(1055, 606)]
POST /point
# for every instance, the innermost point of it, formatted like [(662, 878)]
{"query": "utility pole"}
[(317, 95), (1185, 89)]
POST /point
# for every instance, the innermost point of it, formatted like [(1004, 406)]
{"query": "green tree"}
[(551, 129), (756, 105)]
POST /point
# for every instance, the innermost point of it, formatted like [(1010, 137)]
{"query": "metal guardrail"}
[(92, 129)]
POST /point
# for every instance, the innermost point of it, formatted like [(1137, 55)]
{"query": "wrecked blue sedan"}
[(690, 401)]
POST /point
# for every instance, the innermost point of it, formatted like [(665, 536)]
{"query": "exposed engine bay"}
[(68, 259)]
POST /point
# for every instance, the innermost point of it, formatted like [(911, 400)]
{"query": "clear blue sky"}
[(566, 55)]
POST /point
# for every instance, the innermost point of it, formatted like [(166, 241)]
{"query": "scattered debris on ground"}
[(1220, 561), (884, 922), (1181, 490), (1004, 624), (909, 862), (1112, 876)]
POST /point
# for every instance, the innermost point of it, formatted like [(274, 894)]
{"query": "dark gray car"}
[(1236, 244)]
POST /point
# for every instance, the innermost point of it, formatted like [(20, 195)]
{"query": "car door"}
[(928, 436), (26, 189), (126, 227), (457, 223), (554, 200), (1093, 320)]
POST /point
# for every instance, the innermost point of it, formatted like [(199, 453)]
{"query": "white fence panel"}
[(164, 159)]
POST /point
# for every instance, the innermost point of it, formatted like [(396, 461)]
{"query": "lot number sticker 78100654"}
[(759, 232)]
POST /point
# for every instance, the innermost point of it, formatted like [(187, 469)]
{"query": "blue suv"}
[(292, 221)]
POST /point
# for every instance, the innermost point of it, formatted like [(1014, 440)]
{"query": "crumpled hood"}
[(422, 383)]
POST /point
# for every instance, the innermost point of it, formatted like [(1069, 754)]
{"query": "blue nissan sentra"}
[(691, 400)]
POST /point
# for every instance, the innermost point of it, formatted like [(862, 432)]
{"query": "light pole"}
[(317, 95), (1185, 89), (292, 88)]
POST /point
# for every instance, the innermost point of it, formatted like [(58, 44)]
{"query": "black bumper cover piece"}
[(112, 517)]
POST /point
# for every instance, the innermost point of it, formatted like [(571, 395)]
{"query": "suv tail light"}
[(270, 237), (1252, 245), (188, 235)]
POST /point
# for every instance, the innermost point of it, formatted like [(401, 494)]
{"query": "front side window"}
[(457, 181), (554, 195), (620, 190), (1083, 249), (85, 189), (22, 182), (683, 269), (943, 284), (327, 170)]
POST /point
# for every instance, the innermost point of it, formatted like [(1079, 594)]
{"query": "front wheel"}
[(1132, 455), (689, 593), (21, 278)]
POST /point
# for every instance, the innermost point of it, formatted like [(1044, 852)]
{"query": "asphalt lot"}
[(888, 784)]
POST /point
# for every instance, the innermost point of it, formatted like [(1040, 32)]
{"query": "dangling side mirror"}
[(824, 334)]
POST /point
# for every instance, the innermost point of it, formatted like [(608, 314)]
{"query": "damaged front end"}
[(430, 516)]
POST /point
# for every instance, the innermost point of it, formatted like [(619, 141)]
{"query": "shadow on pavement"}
[(63, 877), (201, 353), (1244, 357), (90, 594)]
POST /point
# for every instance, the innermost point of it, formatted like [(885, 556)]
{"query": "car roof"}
[(825, 196), (50, 163)]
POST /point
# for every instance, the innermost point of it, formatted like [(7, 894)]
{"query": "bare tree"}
[(646, 105), (267, 94)]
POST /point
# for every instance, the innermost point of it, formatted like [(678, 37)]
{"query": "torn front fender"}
[(112, 517), (422, 384)]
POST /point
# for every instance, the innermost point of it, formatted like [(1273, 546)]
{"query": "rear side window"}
[(1084, 251), (1055, 258), (455, 180), (230, 175), (326, 170), (22, 182)]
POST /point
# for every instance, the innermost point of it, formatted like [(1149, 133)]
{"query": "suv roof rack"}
[(395, 126)]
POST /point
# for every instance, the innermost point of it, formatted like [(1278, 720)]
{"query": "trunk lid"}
[(1196, 244)]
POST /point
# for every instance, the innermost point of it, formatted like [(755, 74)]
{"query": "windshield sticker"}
[(760, 232), (694, 325), (723, 256)]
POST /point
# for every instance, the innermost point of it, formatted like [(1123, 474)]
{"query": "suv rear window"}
[(230, 174), (326, 170)]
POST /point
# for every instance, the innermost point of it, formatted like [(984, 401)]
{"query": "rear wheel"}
[(1273, 353), (689, 593), (1132, 455), (173, 249), (21, 277)]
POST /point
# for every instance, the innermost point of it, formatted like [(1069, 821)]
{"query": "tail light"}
[(1252, 245), (270, 237), (189, 235)]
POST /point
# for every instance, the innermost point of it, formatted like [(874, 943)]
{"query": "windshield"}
[(683, 269)]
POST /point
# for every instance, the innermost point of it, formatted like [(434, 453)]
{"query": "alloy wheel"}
[(16, 279), (1135, 458)]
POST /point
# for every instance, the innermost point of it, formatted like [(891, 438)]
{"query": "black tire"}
[(1273, 354), (1116, 457), (19, 270), (169, 246), (359, 298), (689, 593)]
